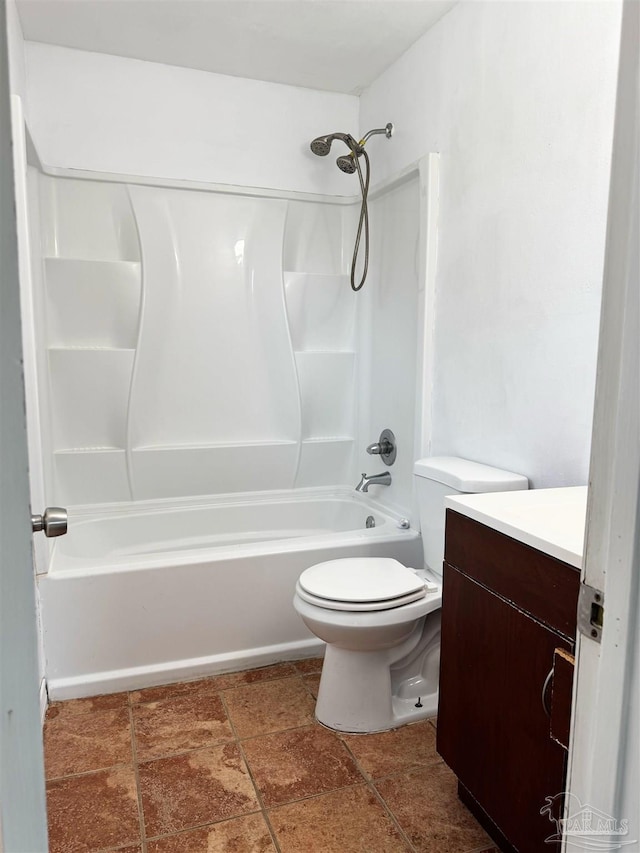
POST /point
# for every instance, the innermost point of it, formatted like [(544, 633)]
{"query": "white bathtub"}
[(153, 592)]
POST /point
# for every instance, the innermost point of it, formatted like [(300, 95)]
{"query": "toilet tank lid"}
[(466, 476)]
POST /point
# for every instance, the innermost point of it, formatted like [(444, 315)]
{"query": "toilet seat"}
[(360, 584)]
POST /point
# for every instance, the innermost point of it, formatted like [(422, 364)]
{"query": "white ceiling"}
[(336, 45)]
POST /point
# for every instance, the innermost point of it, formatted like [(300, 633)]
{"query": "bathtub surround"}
[(228, 357), (195, 342)]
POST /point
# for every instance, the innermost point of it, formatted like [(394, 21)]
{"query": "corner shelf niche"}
[(321, 309), (92, 309)]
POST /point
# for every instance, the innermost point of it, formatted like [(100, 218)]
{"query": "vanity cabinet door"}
[(493, 724)]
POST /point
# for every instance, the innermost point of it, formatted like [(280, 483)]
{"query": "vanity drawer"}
[(534, 582)]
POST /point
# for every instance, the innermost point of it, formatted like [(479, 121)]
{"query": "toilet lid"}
[(363, 581), (359, 607)]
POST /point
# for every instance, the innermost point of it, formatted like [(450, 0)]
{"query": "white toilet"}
[(381, 620)]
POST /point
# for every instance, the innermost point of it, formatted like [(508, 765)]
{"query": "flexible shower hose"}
[(364, 220)]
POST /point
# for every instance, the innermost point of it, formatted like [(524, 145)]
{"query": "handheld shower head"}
[(321, 145), (350, 163), (347, 163)]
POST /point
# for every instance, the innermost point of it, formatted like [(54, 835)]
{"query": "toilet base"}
[(355, 694)]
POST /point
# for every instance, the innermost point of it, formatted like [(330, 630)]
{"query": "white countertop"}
[(551, 520)]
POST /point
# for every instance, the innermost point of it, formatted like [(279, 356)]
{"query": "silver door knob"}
[(53, 522)]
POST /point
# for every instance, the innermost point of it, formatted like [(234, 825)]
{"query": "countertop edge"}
[(471, 506)]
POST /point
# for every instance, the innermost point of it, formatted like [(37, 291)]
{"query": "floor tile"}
[(195, 788), (254, 676), (135, 849), (241, 835), (70, 707), (212, 684), (271, 706), (175, 725), (425, 803), (309, 666), (348, 821), (290, 765), (93, 812), (312, 683), (391, 752), (80, 742), (171, 691)]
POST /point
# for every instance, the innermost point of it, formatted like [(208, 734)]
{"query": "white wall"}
[(106, 113), (519, 99)]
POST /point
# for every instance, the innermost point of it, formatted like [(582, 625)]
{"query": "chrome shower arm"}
[(387, 130)]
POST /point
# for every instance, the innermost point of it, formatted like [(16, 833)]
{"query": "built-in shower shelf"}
[(323, 352), (105, 449), (90, 262), (200, 469), (320, 276), (328, 439), (220, 445), (85, 349)]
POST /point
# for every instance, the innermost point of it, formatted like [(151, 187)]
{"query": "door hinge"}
[(591, 612)]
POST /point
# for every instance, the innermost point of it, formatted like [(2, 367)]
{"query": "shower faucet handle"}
[(385, 447), (379, 448)]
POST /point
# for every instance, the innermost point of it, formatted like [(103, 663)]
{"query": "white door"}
[(23, 826), (604, 764)]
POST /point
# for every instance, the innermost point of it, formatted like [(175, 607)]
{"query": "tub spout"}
[(383, 479)]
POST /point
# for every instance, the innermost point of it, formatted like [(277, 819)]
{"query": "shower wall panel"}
[(322, 312), (214, 366), (390, 339), (197, 342), (91, 297)]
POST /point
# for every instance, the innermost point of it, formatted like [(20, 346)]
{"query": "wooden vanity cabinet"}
[(508, 612)]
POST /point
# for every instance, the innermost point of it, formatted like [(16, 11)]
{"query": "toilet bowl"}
[(381, 620)]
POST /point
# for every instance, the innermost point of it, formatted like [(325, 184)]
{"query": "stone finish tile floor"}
[(236, 763)]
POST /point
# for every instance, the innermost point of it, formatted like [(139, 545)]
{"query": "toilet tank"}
[(438, 477)]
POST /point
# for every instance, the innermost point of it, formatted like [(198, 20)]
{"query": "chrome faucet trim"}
[(383, 479), (385, 447)]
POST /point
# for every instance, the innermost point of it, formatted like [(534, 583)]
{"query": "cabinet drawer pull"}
[(545, 688)]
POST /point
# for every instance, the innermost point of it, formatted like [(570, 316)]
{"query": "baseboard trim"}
[(134, 678)]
